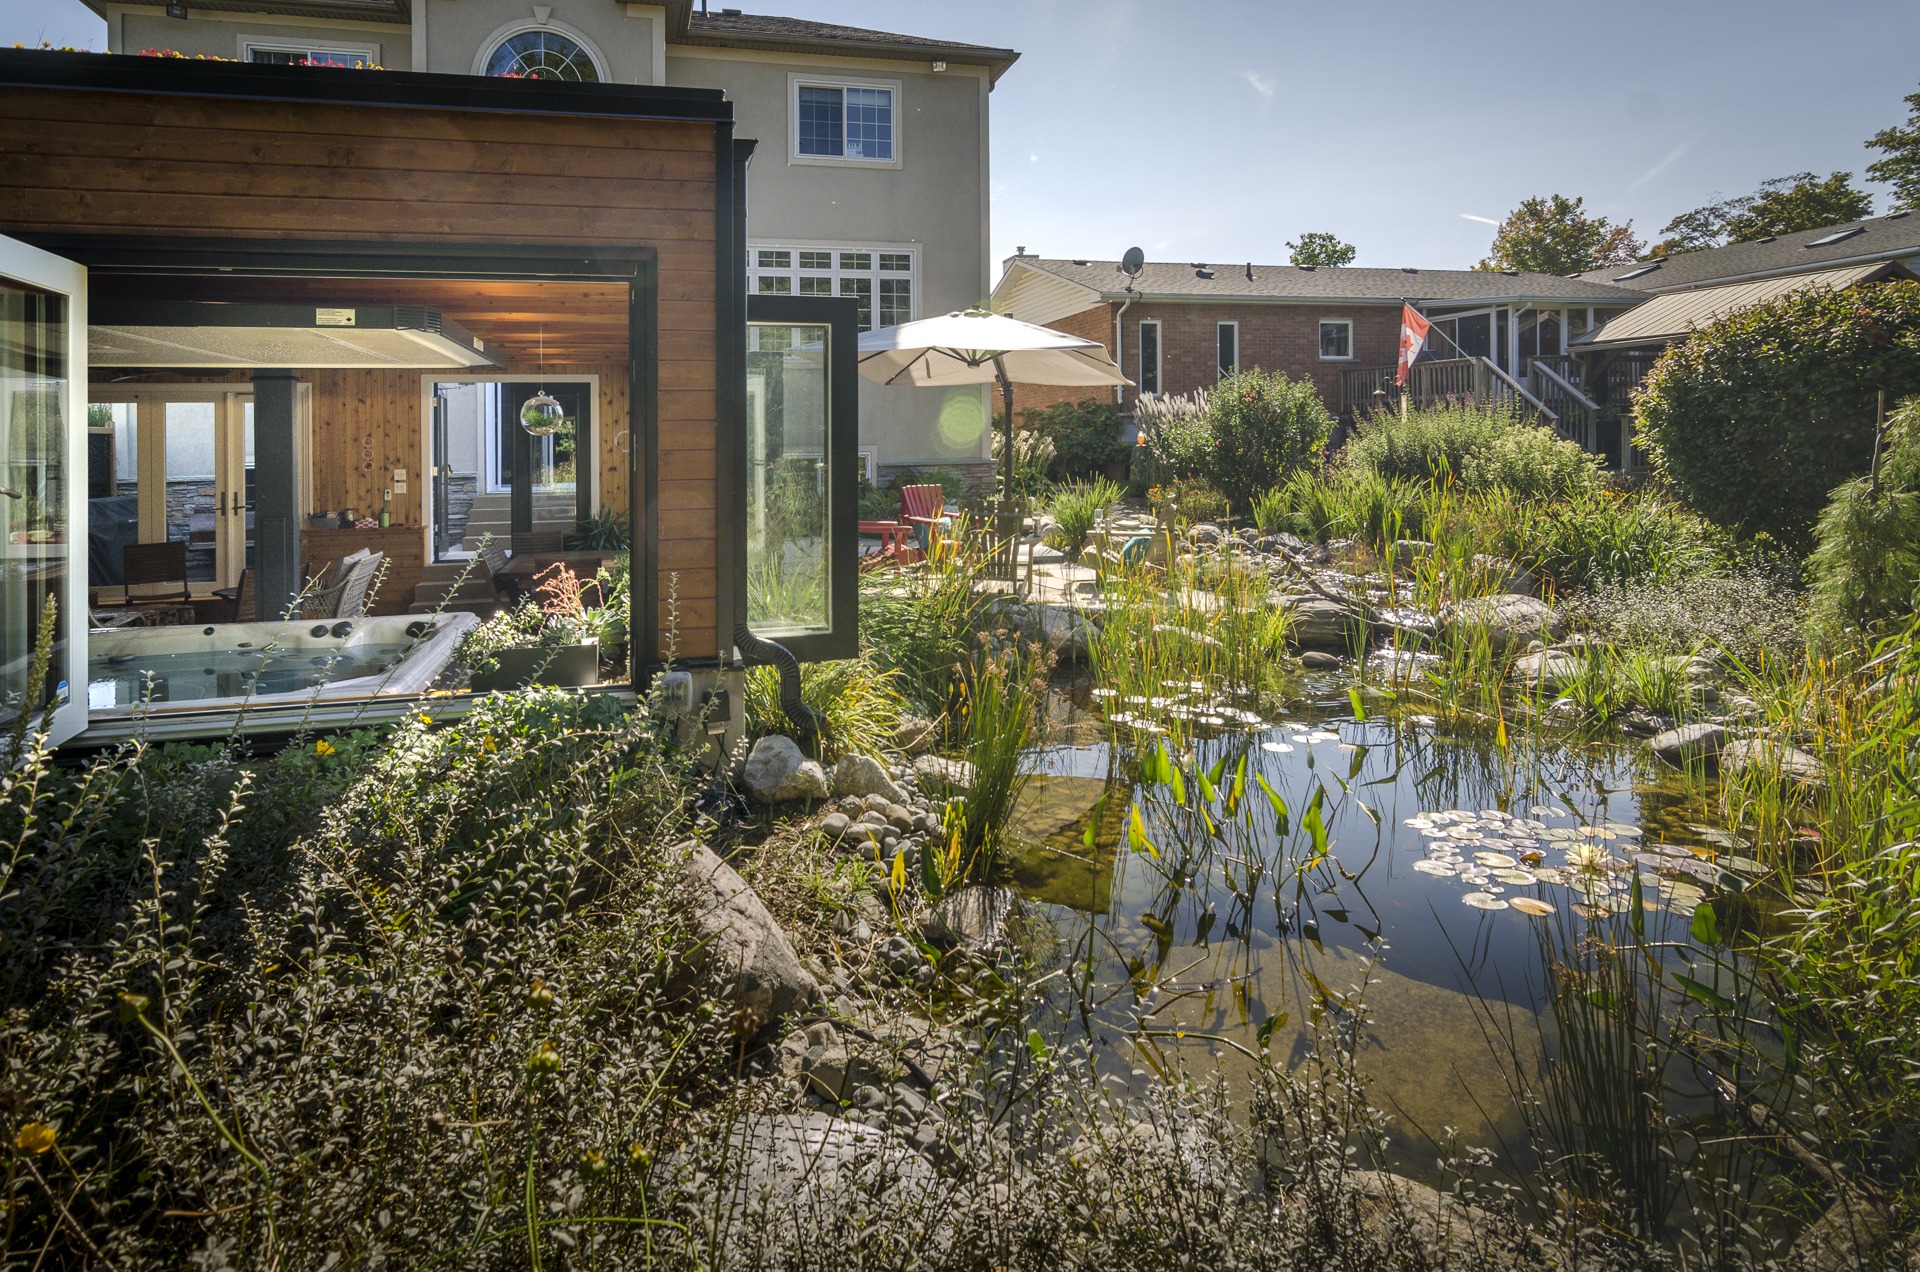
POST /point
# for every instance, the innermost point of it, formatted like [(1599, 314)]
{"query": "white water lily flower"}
[(1587, 857)]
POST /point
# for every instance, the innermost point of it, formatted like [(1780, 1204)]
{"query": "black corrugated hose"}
[(756, 651)]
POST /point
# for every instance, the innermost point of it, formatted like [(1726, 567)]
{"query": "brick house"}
[(1181, 326)]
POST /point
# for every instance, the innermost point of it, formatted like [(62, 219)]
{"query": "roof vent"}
[(1082, 262), (1894, 216), (1408, 269), (1308, 268), (1511, 273), (1838, 236), (1203, 273), (1766, 238), (1642, 272)]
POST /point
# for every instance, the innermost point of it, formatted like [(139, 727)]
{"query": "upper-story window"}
[(541, 54), (1148, 377), (846, 121), (300, 53), (881, 280), (1336, 338)]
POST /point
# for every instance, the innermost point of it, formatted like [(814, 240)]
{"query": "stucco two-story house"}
[(870, 179)]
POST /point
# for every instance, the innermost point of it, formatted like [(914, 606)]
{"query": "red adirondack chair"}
[(924, 508)]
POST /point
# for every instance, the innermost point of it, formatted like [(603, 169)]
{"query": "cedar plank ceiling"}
[(92, 162)]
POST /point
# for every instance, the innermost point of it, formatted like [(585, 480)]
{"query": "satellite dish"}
[(1133, 262)]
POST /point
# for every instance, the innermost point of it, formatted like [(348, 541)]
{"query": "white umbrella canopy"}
[(977, 347)]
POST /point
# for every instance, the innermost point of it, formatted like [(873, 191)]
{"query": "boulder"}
[(737, 947), (940, 777), (1062, 629), (1545, 669), (777, 771), (1765, 757), (973, 918), (1688, 744), (861, 775), (914, 734), (1504, 574), (1407, 552), (1319, 660), (1319, 623), (1205, 535), (1507, 619)]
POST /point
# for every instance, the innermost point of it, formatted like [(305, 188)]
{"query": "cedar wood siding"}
[(85, 161), (1273, 337)]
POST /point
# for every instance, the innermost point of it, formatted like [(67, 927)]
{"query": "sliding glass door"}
[(43, 443)]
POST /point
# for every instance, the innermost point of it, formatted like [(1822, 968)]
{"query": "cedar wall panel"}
[(77, 161)]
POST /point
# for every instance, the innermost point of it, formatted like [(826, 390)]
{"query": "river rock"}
[(914, 734), (834, 825), (736, 945), (1319, 623), (1319, 660), (1766, 757), (1689, 743), (1508, 619), (1545, 669), (942, 777), (1504, 574), (1205, 535), (1407, 552), (974, 917), (862, 775), (777, 771)]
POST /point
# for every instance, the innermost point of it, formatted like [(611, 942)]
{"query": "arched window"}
[(542, 55)]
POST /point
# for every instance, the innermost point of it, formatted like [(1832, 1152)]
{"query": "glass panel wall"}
[(787, 479), (33, 490)]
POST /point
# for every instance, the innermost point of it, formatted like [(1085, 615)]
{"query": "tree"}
[(1782, 205), (1901, 168), (1317, 247), (1756, 418), (1555, 236)]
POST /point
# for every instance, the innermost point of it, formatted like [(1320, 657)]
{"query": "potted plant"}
[(524, 646)]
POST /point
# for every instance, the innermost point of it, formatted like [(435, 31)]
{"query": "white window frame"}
[(796, 81), (1159, 356), (1223, 372), (368, 53), (876, 250), (1319, 345)]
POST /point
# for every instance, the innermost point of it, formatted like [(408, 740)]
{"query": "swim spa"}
[(268, 664)]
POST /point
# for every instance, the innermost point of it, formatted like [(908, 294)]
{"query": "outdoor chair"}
[(924, 508), (342, 589), (528, 541), (161, 565), (241, 595), (1001, 533)]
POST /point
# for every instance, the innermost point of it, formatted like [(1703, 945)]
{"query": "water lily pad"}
[(1494, 859), (1435, 867), (1466, 833), (1745, 865), (1550, 874), (1484, 901), (1532, 905), (1517, 878), (1279, 748), (1613, 903), (1547, 810), (1624, 830)]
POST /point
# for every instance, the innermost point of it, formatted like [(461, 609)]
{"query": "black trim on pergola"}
[(354, 86)]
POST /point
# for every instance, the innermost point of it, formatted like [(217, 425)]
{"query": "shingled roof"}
[(1881, 238), (730, 28), (1230, 282)]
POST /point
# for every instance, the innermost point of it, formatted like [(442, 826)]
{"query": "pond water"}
[(1395, 883)]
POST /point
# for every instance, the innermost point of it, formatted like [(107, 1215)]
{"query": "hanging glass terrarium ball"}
[(542, 416)]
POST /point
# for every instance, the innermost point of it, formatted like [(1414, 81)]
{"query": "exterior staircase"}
[(441, 585)]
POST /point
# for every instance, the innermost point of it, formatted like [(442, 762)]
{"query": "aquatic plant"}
[(1076, 508), (920, 623), (997, 717), (856, 698)]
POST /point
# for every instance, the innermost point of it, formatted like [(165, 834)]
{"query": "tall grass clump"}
[(856, 698), (1865, 566), (1076, 508), (1175, 439), (919, 623), (1473, 446), (998, 716)]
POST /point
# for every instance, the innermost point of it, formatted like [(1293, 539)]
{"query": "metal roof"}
[(1882, 238), (1345, 283), (730, 28), (1675, 315)]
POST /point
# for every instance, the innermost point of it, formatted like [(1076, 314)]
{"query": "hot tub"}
[(268, 664)]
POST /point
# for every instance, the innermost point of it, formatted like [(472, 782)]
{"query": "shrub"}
[(1085, 436), (878, 503), (1190, 502), (1749, 614), (1865, 565), (1076, 508), (1474, 447), (1599, 536), (1756, 418), (1264, 427), (1176, 442)]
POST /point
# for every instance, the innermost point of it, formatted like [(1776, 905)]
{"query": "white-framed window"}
[(1227, 343), (1149, 346), (1336, 338), (282, 52), (534, 51), (883, 280), (845, 121)]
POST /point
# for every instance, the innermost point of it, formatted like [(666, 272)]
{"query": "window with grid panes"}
[(881, 282), (844, 121)]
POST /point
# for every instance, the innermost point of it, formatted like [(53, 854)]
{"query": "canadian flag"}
[(1413, 338)]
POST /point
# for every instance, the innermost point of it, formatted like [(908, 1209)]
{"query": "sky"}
[(1218, 131)]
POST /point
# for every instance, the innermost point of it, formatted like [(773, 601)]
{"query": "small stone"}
[(850, 806), (834, 825), (1689, 743), (900, 955), (914, 734), (876, 803), (899, 817), (1319, 660), (875, 818)]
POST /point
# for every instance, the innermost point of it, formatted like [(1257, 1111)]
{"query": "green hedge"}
[(1757, 418)]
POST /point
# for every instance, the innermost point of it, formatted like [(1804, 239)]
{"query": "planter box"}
[(566, 666)]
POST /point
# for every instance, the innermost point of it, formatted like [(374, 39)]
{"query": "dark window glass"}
[(1149, 377), (1336, 340), (1229, 348), (822, 124), (861, 289)]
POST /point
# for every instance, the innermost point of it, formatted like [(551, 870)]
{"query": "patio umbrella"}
[(977, 347)]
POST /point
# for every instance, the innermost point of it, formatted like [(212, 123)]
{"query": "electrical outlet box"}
[(676, 692)]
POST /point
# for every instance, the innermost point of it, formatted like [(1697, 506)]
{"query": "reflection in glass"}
[(33, 476), (787, 403)]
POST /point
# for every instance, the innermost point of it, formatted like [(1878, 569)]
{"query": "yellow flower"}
[(486, 744), (323, 747), (424, 718), (34, 1137)]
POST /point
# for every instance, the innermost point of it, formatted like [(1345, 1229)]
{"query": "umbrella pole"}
[(1006, 398)]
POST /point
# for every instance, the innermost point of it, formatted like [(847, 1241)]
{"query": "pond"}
[(1401, 886)]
